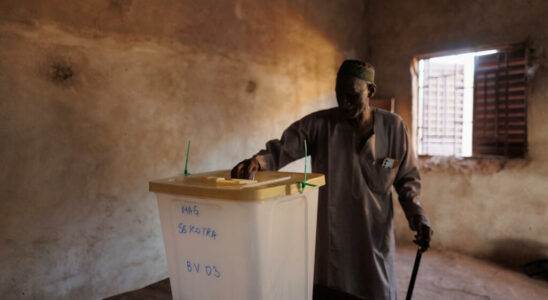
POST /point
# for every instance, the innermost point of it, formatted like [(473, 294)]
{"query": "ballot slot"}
[(215, 182)]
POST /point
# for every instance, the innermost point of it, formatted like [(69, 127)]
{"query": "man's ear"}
[(372, 89)]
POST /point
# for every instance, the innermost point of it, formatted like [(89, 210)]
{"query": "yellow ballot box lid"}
[(219, 185)]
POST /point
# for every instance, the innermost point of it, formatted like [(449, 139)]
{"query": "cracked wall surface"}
[(99, 97)]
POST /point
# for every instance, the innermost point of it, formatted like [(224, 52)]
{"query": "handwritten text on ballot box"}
[(189, 226)]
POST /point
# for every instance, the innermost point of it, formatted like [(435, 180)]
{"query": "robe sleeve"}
[(280, 152), (408, 182)]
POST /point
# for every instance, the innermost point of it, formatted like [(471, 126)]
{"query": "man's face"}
[(352, 95)]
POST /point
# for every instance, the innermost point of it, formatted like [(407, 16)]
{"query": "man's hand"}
[(245, 169), (424, 233)]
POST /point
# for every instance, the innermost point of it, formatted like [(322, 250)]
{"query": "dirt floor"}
[(442, 275), (447, 275)]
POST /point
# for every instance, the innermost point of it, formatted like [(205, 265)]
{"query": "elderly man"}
[(363, 151)]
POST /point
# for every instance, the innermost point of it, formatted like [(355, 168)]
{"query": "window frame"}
[(415, 92)]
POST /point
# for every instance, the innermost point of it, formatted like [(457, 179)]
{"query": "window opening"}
[(446, 104)]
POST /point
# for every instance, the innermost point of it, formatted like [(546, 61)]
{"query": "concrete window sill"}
[(468, 165)]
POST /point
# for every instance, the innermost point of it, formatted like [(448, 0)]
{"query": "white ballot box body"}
[(258, 243)]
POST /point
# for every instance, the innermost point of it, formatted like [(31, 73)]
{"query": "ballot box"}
[(239, 239)]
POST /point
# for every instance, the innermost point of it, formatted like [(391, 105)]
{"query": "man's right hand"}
[(245, 169), (424, 232)]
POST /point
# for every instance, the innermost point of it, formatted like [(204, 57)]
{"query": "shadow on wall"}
[(98, 108), (515, 253)]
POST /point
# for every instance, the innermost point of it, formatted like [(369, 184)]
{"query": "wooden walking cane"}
[(414, 274)]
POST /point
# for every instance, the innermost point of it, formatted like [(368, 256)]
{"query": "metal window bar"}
[(442, 109), (455, 147), (497, 103), (506, 125), (524, 78)]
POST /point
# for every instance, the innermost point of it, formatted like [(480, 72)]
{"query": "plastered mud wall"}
[(99, 97), (493, 209)]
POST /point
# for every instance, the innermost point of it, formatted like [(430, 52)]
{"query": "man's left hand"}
[(424, 233)]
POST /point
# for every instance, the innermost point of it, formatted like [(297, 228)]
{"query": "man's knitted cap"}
[(359, 69)]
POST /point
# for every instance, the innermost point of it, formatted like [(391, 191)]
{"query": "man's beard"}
[(352, 112)]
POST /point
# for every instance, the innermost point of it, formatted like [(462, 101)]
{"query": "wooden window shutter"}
[(500, 106)]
